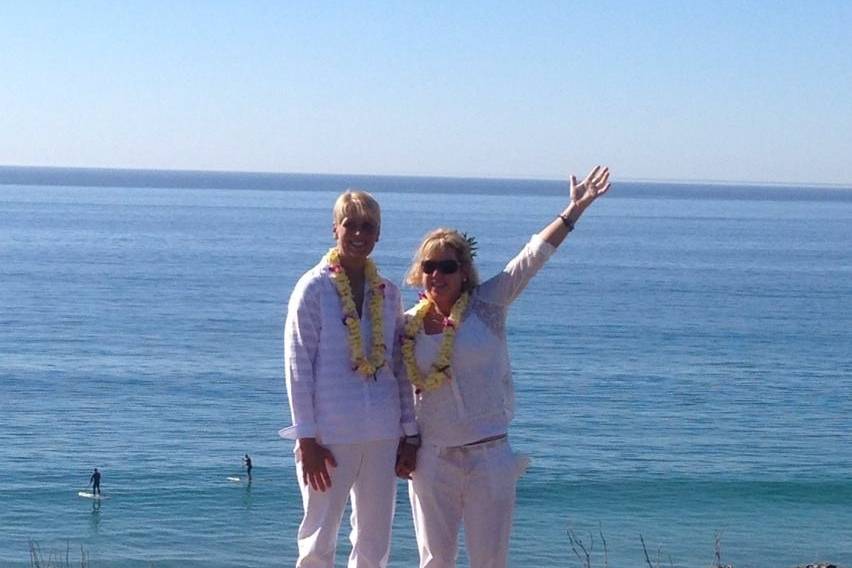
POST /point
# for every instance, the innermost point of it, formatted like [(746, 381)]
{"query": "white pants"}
[(366, 472), (474, 485)]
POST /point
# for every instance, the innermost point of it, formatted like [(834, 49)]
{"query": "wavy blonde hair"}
[(443, 239)]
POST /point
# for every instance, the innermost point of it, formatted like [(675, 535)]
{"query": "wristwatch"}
[(413, 440)]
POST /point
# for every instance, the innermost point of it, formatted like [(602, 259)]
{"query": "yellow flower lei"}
[(440, 370), (360, 362)]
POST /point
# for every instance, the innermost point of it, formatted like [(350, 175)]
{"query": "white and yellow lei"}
[(440, 371), (366, 366)]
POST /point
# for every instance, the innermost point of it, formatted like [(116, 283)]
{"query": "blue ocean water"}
[(683, 364)]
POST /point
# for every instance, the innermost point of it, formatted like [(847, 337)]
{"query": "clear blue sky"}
[(690, 90)]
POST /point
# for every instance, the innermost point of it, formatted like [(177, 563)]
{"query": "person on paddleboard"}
[(247, 461), (95, 481)]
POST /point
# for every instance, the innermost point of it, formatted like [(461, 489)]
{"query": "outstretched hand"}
[(593, 186), (582, 195), (315, 462)]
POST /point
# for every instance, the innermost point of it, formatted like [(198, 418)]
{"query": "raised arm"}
[(504, 288), (582, 195)]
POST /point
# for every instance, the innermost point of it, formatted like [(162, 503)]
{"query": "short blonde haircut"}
[(443, 239), (356, 203)]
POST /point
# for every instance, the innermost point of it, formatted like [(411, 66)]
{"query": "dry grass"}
[(583, 550), (51, 559)]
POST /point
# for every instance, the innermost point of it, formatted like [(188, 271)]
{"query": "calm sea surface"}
[(683, 365)]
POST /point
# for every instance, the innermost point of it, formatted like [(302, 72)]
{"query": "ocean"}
[(683, 364)]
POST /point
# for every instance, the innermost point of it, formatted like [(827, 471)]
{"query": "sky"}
[(683, 90)]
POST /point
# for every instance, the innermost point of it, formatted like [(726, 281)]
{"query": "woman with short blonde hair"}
[(350, 412), (356, 204)]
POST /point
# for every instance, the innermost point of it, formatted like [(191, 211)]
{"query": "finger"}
[(595, 187), (329, 458), (313, 482), (326, 478), (603, 177), (592, 175), (318, 482), (305, 478), (573, 182), (605, 189)]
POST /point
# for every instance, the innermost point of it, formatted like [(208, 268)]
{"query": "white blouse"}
[(479, 400), (328, 400)]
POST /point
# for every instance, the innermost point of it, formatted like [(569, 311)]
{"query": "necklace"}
[(368, 367), (440, 371)]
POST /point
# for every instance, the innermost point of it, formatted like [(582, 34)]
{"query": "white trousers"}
[(364, 472), (474, 485)]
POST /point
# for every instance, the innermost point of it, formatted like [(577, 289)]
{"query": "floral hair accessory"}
[(471, 243)]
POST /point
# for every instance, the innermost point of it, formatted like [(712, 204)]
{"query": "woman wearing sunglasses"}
[(455, 354), (349, 410)]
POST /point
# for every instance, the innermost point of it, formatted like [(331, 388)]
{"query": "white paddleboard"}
[(235, 479), (90, 495)]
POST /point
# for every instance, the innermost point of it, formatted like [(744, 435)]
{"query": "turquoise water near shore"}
[(683, 365)]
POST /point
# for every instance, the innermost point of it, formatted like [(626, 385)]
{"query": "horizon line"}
[(669, 181)]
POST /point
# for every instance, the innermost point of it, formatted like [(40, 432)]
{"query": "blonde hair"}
[(444, 239), (356, 203)]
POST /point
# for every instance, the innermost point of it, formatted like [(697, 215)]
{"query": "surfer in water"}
[(247, 461), (95, 480)]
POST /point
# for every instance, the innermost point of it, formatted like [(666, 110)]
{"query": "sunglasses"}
[(442, 266)]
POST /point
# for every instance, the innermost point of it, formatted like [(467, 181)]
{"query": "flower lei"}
[(440, 370), (367, 366)]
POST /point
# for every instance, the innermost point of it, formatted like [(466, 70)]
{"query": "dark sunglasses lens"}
[(443, 266), (448, 266)]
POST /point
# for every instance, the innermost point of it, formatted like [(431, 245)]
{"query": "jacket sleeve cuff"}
[(298, 431), (410, 428), (540, 246)]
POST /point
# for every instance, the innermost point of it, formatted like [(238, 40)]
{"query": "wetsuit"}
[(95, 480)]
